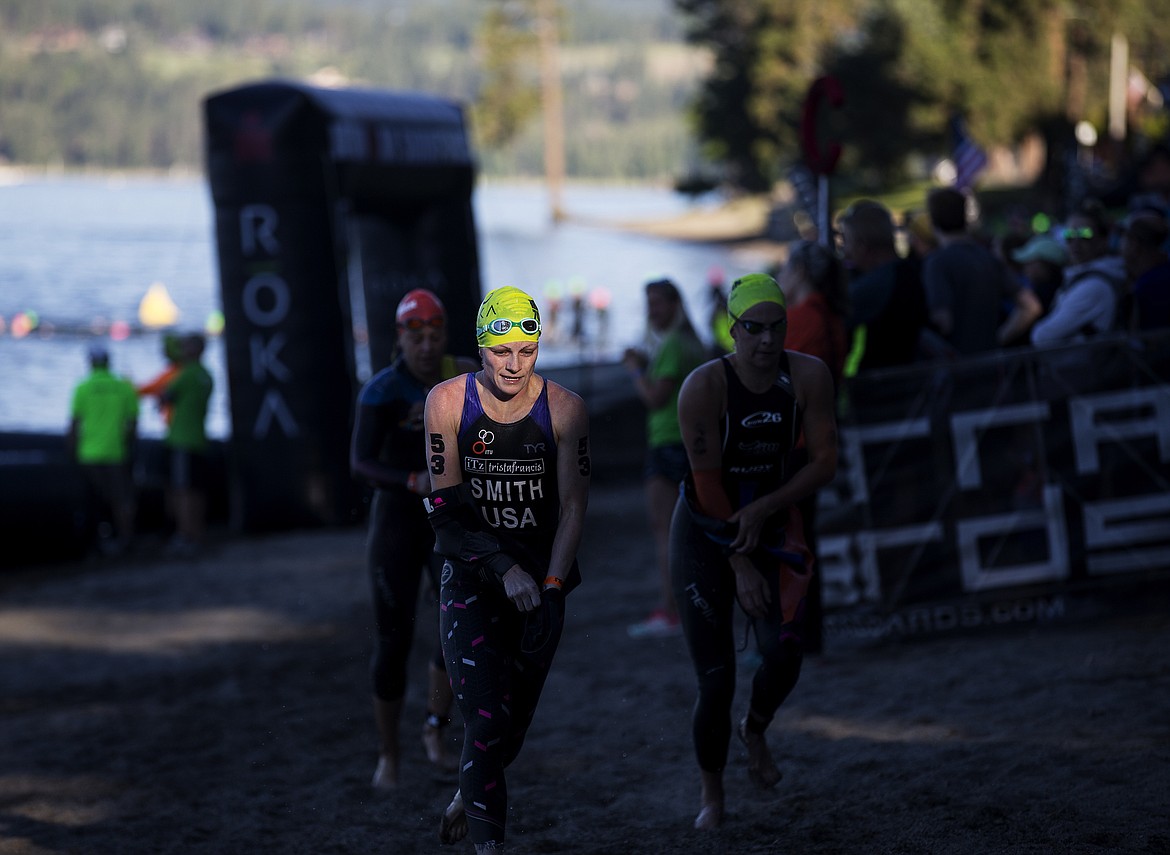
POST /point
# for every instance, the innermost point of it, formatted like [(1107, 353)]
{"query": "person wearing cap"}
[(388, 452), (737, 533), (1042, 260), (1094, 284), (102, 431), (510, 469), (1143, 249)]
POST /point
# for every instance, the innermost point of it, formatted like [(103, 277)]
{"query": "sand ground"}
[(222, 705)]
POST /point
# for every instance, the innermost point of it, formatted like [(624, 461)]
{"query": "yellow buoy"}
[(157, 309), (214, 325)]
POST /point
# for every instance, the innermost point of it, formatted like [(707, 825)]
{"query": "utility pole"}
[(553, 105), (1118, 86)]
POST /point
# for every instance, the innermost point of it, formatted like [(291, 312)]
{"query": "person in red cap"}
[(388, 452)]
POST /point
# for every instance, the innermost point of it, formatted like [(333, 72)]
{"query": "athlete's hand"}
[(521, 589), (750, 588), (751, 518)]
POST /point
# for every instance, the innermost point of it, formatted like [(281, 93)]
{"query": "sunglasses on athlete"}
[(757, 328), (438, 322), (530, 326)]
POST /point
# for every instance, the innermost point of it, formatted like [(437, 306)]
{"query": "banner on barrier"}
[(997, 490)]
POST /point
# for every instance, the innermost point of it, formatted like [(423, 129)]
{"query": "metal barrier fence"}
[(1021, 486)]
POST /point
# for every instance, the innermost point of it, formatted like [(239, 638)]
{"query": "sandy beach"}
[(222, 705)]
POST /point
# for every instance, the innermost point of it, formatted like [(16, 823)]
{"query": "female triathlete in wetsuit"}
[(736, 533), (509, 465), (387, 450)]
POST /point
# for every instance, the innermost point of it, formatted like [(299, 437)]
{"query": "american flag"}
[(970, 159)]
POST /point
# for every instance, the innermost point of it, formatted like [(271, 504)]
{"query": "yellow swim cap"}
[(507, 314), (751, 290)]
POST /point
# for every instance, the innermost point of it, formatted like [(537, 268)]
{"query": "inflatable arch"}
[(330, 204)]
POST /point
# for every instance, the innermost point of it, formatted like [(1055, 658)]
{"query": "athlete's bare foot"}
[(386, 715), (435, 745), (761, 768), (453, 825), (709, 818), (711, 800), (386, 775)]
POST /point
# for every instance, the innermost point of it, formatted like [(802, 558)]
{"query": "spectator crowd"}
[(934, 285)]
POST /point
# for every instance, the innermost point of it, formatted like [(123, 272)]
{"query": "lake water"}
[(81, 252)]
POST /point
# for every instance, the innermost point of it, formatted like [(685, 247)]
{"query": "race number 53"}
[(438, 461)]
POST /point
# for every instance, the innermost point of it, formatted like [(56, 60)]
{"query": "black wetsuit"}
[(389, 427), (757, 433), (498, 657)]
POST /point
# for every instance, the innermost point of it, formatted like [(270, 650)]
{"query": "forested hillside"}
[(119, 83)]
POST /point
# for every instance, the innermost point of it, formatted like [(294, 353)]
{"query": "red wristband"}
[(552, 582)]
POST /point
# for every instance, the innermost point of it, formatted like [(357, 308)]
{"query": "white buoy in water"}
[(157, 309)]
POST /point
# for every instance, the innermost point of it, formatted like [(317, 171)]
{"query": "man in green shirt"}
[(187, 396), (102, 429)]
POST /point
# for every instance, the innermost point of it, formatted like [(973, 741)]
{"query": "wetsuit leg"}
[(496, 686), (398, 547), (781, 647), (704, 588), (541, 635), (434, 572)]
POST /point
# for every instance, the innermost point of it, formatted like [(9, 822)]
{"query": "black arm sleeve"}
[(371, 427), (459, 533)]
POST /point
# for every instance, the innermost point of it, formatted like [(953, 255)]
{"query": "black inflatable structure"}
[(330, 204)]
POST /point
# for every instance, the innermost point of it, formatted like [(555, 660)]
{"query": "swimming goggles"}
[(500, 326), (1083, 233), (758, 328), (438, 322)]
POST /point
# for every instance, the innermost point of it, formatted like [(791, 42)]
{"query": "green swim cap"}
[(507, 314), (751, 290)]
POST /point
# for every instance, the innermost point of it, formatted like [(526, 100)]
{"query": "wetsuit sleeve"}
[(459, 533), (710, 495), (570, 422), (371, 426)]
